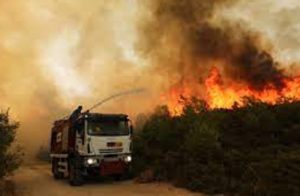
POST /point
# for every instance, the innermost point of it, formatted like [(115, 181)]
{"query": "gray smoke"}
[(194, 42)]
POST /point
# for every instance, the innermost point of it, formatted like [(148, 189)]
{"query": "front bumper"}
[(107, 165), (92, 161)]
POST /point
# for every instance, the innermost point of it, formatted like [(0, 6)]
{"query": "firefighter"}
[(75, 115)]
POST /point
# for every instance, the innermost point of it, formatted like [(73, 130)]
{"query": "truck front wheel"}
[(75, 177), (57, 174)]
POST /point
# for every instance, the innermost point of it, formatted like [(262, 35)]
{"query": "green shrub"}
[(250, 150), (10, 158)]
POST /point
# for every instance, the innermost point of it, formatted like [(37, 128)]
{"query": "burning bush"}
[(249, 150)]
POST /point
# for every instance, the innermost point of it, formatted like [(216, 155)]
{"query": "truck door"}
[(80, 137)]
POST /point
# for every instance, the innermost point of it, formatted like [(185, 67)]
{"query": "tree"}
[(10, 157)]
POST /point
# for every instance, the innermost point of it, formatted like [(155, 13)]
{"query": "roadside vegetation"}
[(249, 150), (10, 157)]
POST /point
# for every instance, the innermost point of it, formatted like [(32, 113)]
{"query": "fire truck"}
[(94, 144)]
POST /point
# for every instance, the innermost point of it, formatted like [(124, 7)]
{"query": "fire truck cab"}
[(94, 145)]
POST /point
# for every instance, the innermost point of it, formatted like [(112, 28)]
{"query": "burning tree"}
[(10, 158)]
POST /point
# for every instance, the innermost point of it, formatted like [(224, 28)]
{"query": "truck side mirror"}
[(82, 136), (131, 129), (80, 131)]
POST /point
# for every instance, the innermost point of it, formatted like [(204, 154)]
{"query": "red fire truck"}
[(94, 145)]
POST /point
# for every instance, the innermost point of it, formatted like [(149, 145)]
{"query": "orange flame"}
[(219, 94), (174, 98)]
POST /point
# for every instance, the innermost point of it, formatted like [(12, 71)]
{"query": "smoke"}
[(279, 23), (189, 37), (56, 55)]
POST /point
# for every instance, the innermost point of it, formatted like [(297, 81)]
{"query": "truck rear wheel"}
[(56, 174), (118, 177), (75, 177)]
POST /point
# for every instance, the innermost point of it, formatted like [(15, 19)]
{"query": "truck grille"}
[(115, 150)]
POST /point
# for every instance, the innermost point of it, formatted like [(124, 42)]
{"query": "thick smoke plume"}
[(189, 39)]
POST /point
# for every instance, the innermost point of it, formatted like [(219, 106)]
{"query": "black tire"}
[(128, 174), (56, 174), (118, 177), (75, 177)]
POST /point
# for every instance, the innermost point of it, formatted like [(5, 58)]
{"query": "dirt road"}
[(38, 181)]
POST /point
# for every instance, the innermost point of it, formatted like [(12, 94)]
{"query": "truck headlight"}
[(91, 161), (128, 158)]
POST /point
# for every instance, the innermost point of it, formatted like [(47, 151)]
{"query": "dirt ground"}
[(37, 180)]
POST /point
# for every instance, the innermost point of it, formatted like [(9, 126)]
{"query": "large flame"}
[(220, 94)]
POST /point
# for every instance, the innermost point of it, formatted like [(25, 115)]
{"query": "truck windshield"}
[(108, 128)]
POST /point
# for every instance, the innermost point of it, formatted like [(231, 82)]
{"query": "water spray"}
[(114, 96)]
